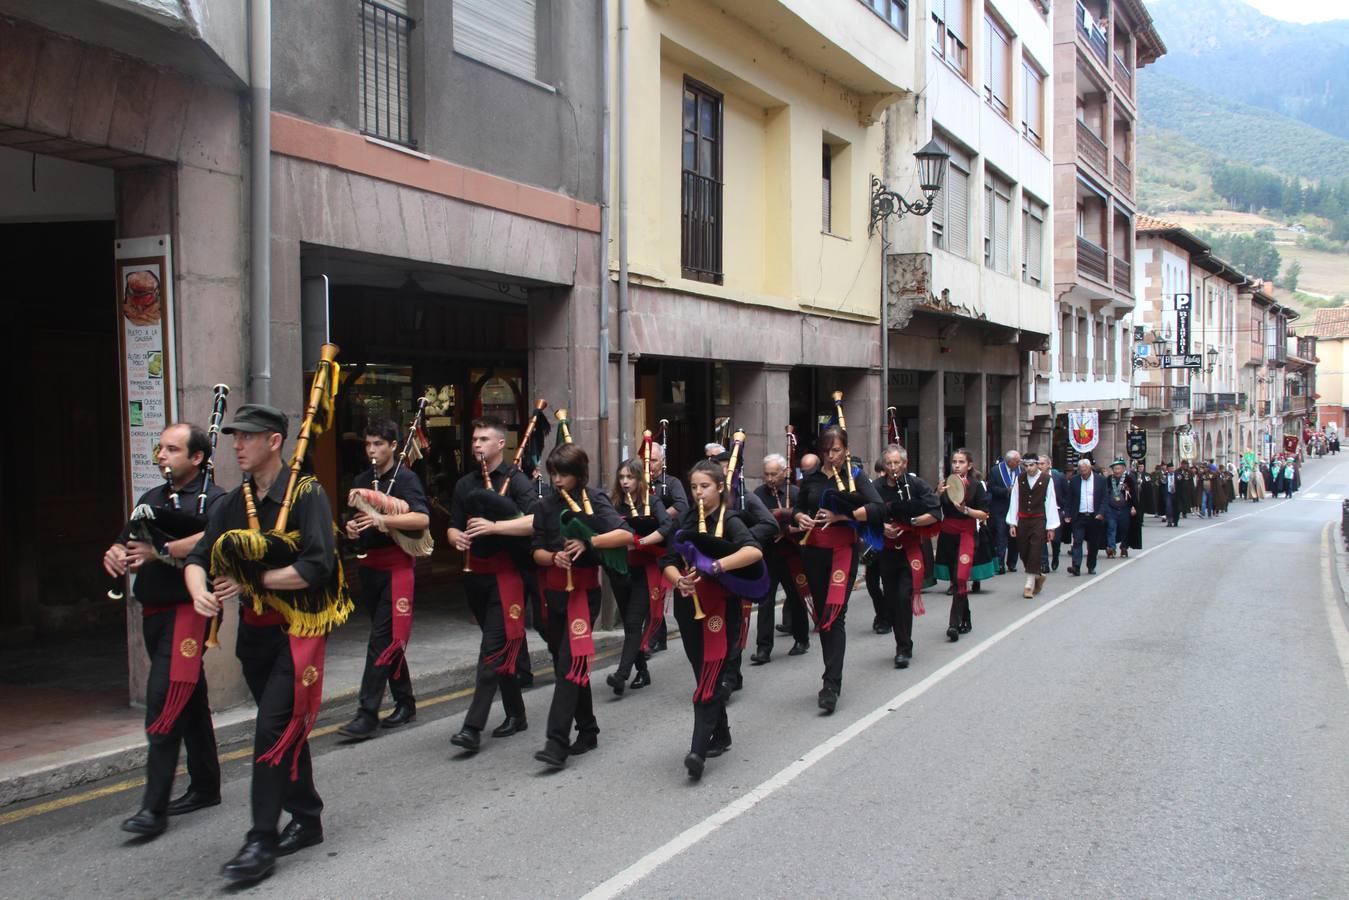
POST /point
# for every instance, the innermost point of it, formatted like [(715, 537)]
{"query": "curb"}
[(233, 727)]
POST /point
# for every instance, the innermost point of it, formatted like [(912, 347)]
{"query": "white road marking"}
[(1338, 633), (1332, 496), (653, 860), (1311, 495)]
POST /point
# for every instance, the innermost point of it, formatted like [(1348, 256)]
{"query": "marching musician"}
[(263, 646), (1032, 519), (763, 527), (670, 492), (829, 555), (499, 580), (387, 579), (705, 607), (639, 592), (911, 512), (570, 581), (782, 556), (177, 711), (962, 556)]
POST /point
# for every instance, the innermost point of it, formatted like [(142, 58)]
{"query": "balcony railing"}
[(1091, 260), (1091, 148), (1123, 77), (1286, 404), (1124, 177), (1226, 402), (386, 57), (1124, 275), (1162, 397), (700, 238), (1205, 403), (1094, 33)]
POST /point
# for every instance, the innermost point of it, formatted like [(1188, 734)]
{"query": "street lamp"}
[(1212, 360), (885, 204)]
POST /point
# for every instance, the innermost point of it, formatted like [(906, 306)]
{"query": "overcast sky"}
[(1303, 10)]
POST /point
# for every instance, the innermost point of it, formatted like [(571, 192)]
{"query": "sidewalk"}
[(61, 739)]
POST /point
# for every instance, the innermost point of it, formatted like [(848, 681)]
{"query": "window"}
[(1066, 332), (1033, 214), (950, 33), (827, 192), (894, 12), (1033, 106), (997, 67), (386, 60), (997, 223), (951, 214), (500, 33), (700, 193)]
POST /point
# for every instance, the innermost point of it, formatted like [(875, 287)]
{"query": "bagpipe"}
[(642, 522), (496, 504), (577, 521), (842, 497), (245, 554), (373, 501)]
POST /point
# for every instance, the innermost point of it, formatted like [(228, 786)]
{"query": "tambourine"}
[(955, 490)]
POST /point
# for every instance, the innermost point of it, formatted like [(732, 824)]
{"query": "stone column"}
[(861, 388), (749, 412), (1013, 415), (976, 419), (931, 425)]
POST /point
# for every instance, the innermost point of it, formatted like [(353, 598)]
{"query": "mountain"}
[(1299, 71)]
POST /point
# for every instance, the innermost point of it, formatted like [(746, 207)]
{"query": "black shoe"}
[(584, 743), (736, 683), (718, 745), (467, 738), (511, 725), (884, 628), (254, 860), (1011, 568), (361, 728), (1055, 564), (1002, 568), (901, 660), (641, 680), (760, 657), (656, 646), (953, 634), (1123, 552), (977, 587), (828, 700), (951, 591), (297, 836), (553, 755), (799, 648), (1091, 571), (695, 763), (782, 629), (524, 681), (401, 715), (617, 682), (1074, 571), (191, 802), (963, 628), (146, 824)]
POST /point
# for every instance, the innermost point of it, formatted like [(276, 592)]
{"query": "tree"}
[(1290, 275)]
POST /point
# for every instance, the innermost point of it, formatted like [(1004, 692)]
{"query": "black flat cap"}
[(256, 418)]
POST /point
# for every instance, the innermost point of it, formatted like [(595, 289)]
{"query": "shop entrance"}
[(692, 394)]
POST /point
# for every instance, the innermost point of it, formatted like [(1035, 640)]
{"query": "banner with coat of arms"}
[(1084, 429)]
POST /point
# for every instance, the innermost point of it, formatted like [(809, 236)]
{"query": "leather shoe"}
[(297, 836), (760, 657), (782, 629), (718, 745), (510, 726), (617, 682), (191, 802), (901, 660), (554, 756), (641, 680), (254, 860), (695, 763), (1091, 571), (1055, 564), (1074, 571), (828, 700), (468, 739), (657, 646), (401, 715), (953, 634), (799, 648), (361, 728), (884, 628), (146, 824), (584, 743)]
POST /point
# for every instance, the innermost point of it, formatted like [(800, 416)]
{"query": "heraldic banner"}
[(1084, 429)]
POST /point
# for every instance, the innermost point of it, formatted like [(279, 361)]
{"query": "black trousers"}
[(377, 595), (270, 673), (817, 562), (630, 593), (571, 702), (793, 608), (193, 727), (484, 601), (960, 611), (897, 581), (709, 717), (879, 604)]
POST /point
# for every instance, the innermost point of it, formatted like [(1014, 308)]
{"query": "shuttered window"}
[(950, 33), (827, 192), (386, 61), (1033, 214), (997, 223), (1033, 107), (500, 33), (951, 216), (997, 67)]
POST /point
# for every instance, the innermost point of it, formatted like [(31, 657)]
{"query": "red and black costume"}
[(907, 562)]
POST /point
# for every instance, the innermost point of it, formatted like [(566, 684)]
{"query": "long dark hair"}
[(974, 474), (635, 467)]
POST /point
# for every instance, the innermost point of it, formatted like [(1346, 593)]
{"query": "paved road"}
[(1174, 727)]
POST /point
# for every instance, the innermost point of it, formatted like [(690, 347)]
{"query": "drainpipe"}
[(624, 376), (260, 199), (605, 137)]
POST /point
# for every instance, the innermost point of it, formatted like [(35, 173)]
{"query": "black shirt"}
[(671, 494), (735, 531), (158, 583), (548, 522), (406, 486), (976, 497), (310, 515), (816, 483), (757, 516), (908, 499), (520, 493)]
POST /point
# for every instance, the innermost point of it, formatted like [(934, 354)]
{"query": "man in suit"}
[(1170, 486), (1086, 505), (1000, 482)]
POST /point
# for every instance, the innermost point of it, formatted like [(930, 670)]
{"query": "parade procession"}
[(674, 448)]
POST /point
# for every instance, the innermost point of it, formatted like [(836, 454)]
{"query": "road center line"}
[(653, 860)]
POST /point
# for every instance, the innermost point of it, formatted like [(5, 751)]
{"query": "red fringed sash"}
[(307, 655), (713, 599), (511, 591), (746, 609), (648, 560), (791, 555), (401, 569), (910, 541), (582, 641), (189, 633), (841, 539), (965, 528)]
